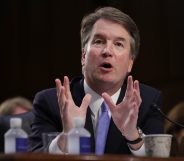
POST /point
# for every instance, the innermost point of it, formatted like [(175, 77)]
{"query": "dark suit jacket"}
[(47, 116)]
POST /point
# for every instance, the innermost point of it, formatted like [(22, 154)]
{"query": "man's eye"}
[(119, 44), (98, 41)]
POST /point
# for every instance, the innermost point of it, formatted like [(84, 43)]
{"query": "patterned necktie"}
[(102, 130)]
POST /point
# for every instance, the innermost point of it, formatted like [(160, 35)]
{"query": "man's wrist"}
[(137, 140)]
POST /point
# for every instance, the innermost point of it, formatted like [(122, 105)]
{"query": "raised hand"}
[(68, 109), (125, 114)]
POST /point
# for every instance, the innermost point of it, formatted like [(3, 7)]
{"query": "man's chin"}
[(106, 80)]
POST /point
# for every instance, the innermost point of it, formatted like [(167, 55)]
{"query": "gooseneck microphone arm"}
[(157, 108)]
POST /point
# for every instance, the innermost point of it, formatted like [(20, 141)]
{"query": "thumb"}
[(86, 101), (108, 101)]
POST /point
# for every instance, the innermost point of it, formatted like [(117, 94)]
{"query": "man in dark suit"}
[(110, 44)]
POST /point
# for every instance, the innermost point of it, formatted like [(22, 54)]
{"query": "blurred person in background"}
[(16, 105), (176, 114)]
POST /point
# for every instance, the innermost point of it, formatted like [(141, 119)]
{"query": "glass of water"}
[(47, 138)]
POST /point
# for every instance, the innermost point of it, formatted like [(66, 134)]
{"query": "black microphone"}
[(157, 108)]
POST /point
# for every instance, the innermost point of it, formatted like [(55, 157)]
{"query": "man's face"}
[(106, 57)]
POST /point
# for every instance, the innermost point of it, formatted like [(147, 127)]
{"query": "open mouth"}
[(106, 65)]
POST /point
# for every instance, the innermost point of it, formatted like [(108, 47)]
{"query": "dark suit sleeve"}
[(150, 120), (46, 118)]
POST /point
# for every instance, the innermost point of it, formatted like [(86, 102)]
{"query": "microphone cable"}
[(156, 107)]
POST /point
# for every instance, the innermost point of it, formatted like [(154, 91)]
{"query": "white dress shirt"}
[(95, 106), (96, 102)]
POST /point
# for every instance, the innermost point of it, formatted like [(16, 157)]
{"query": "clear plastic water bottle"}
[(15, 139), (79, 139)]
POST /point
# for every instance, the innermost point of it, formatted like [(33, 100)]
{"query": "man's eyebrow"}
[(121, 39), (98, 35), (102, 36)]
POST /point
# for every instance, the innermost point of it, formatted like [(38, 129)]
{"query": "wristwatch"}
[(136, 141)]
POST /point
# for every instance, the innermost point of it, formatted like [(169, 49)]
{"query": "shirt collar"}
[(96, 99)]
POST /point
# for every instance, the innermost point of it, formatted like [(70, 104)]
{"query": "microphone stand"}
[(156, 107)]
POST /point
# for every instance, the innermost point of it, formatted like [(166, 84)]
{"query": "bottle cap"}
[(15, 122), (78, 122)]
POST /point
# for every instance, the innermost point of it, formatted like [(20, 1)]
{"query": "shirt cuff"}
[(54, 148), (139, 152)]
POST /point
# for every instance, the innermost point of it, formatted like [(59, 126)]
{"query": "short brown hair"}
[(117, 16)]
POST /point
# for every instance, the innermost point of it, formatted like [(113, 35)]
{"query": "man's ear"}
[(83, 57), (131, 62)]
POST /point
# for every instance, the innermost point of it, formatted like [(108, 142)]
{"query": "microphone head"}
[(154, 106)]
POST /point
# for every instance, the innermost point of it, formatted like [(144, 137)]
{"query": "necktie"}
[(102, 130)]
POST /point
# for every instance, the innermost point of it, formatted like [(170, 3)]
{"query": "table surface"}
[(53, 157)]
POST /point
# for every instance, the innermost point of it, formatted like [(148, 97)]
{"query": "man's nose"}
[(107, 50)]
